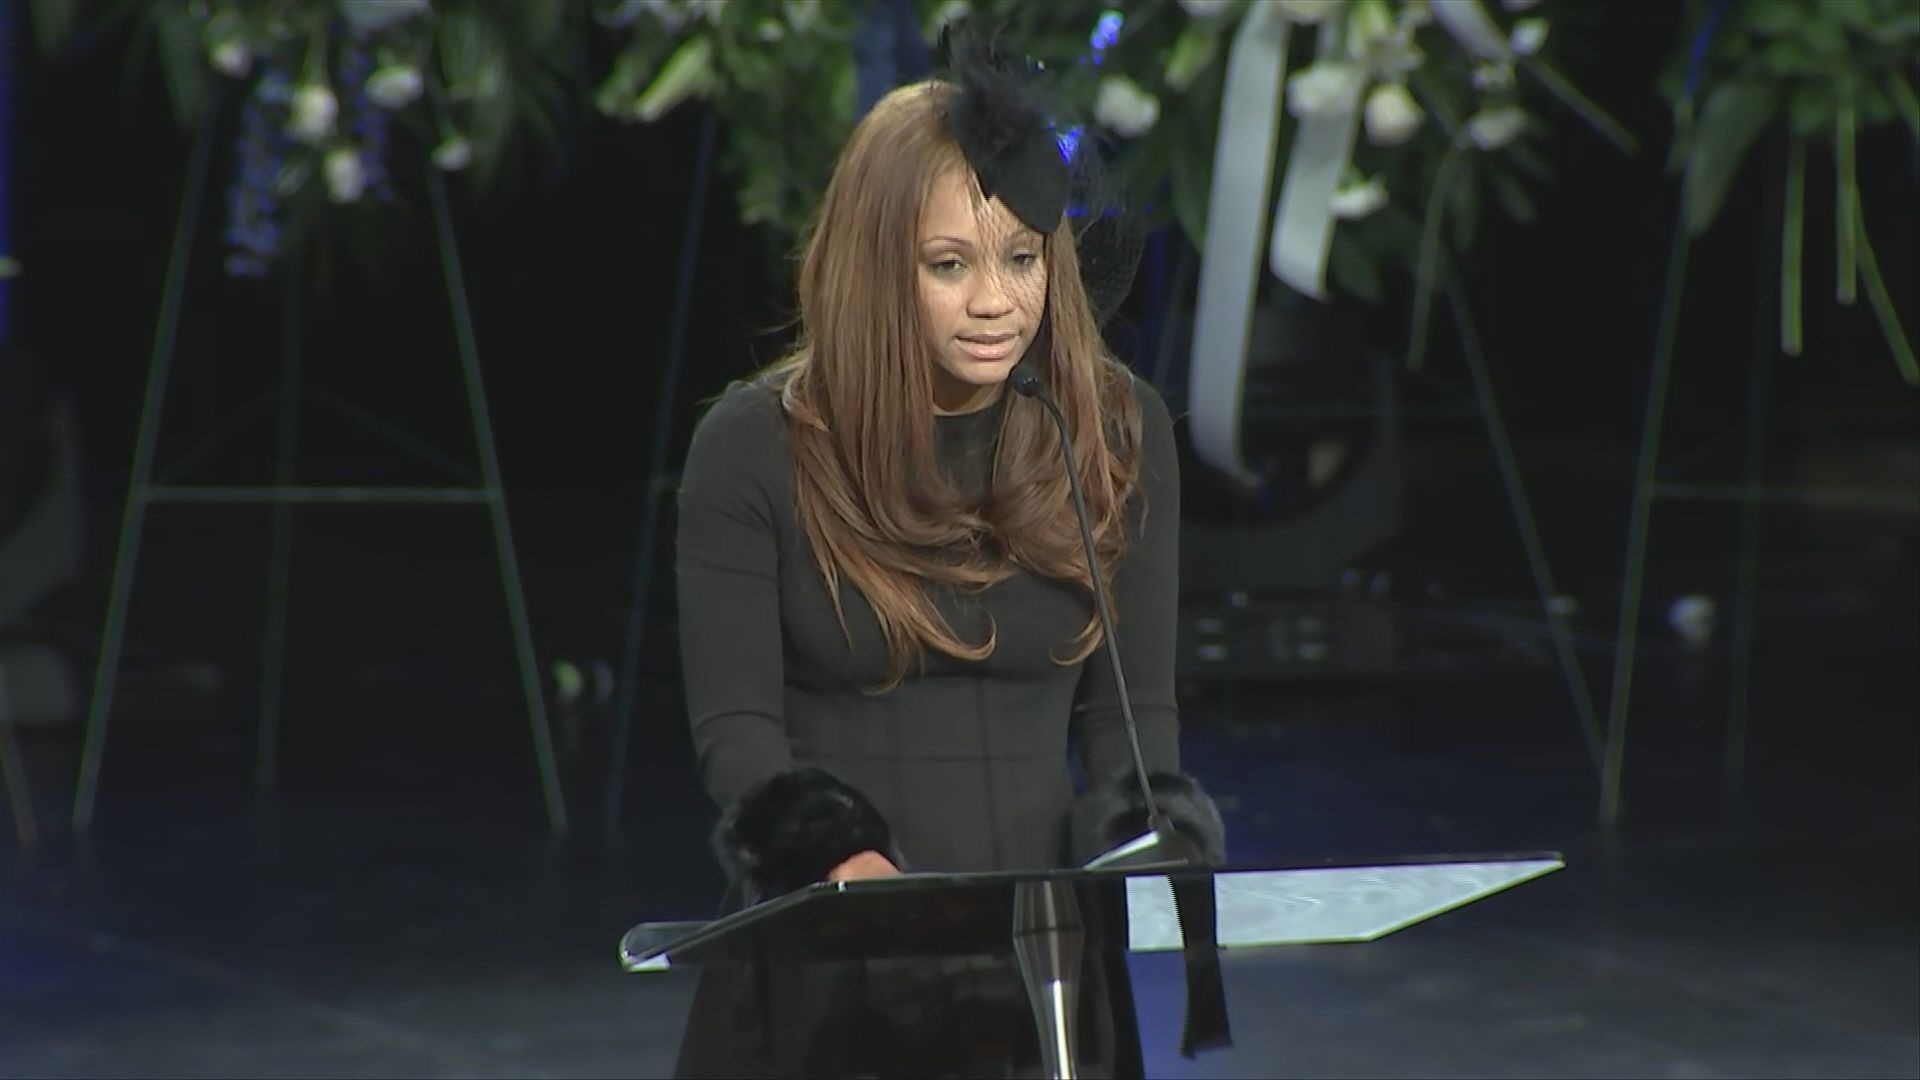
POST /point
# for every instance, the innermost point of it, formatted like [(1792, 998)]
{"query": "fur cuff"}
[(793, 828), (1114, 812)]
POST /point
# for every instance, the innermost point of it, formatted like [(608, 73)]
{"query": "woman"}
[(887, 627)]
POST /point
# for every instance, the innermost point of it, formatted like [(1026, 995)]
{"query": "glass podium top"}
[(972, 914)]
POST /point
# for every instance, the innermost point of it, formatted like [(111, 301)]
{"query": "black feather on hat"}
[(1007, 122), (1003, 129)]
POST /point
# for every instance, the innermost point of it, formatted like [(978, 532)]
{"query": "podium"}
[(1047, 921)]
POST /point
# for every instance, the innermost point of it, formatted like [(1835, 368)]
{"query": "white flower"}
[(227, 50), (1125, 109), (346, 180), (394, 86), (368, 16), (802, 14), (1692, 617), (1491, 129), (1200, 9), (1528, 36), (1518, 5), (1306, 11), (1324, 86), (1353, 200), (1381, 44), (231, 58), (453, 153), (1492, 76), (1392, 115), (311, 114)]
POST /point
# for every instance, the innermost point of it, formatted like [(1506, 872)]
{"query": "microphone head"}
[(1025, 379)]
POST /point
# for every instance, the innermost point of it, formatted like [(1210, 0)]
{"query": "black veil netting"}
[(1030, 147)]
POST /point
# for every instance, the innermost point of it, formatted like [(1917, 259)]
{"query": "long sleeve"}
[(782, 826), (1146, 597), (727, 565), (1146, 603)]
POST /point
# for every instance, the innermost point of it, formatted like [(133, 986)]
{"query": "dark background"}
[(572, 277), (399, 908), (572, 272)]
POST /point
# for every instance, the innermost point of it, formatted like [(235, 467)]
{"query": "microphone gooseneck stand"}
[(1049, 934)]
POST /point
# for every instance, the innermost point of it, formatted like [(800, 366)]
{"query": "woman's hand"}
[(867, 864)]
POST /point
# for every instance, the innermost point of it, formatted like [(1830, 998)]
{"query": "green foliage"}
[(1788, 63), (779, 74), (484, 83), (1819, 73)]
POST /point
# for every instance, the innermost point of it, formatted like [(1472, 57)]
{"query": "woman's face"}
[(983, 289)]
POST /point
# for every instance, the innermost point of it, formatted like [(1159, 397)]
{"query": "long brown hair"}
[(857, 390)]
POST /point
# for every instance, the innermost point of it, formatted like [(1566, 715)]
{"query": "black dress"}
[(967, 763)]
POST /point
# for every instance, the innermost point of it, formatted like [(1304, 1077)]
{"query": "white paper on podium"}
[(1321, 905)]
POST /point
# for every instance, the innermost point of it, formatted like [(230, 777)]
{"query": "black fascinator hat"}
[(1021, 138)]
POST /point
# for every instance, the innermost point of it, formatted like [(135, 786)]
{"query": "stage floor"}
[(399, 910)]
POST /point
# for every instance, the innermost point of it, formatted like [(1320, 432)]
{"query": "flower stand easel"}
[(145, 491)]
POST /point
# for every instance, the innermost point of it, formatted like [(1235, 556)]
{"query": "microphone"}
[(1162, 844)]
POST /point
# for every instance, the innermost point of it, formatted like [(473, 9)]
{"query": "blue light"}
[(1069, 142), (1106, 32)]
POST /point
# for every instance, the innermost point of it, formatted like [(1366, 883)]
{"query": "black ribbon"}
[(1206, 1022)]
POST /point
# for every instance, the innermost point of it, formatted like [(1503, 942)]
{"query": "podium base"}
[(1047, 940)]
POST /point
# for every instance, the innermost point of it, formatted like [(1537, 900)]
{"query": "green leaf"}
[(1787, 58), (689, 71), (1883, 308), (1846, 222), (1773, 18), (1793, 247), (1463, 197), (1193, 51), (631, 69), (1810, 110), (1898, 30), (1426, 271), (1849, 14), (1824, 37), (1528, 161), (183, 66), (1583, 106), (1901, 91), (1876, 107), (1734, 116), (1513, 196), (760, 196), (752, 69), (1353, 270), (53, 22)]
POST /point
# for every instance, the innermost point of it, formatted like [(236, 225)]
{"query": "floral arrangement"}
[(1452, 99), (1450, 95), (780, 73), (1822, 74), (334, 93), (1455, 100)]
